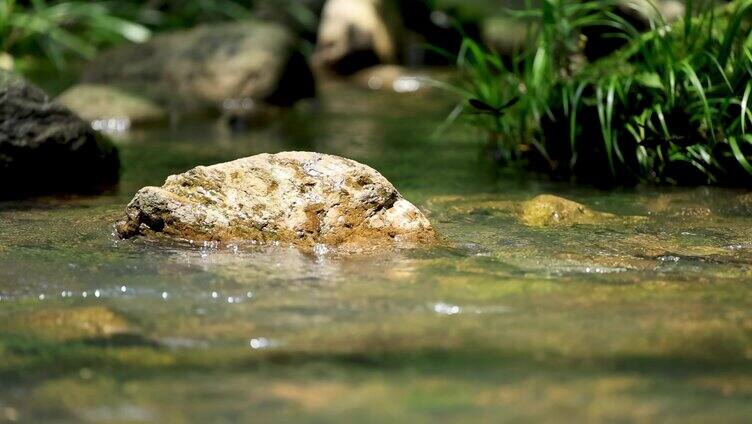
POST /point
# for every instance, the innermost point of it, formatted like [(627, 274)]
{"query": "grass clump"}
[(671, 106)]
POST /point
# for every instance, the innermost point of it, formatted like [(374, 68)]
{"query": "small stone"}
[(100, 103), (70, 323), (548, 210)]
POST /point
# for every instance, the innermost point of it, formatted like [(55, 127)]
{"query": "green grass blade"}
[(738, 152)]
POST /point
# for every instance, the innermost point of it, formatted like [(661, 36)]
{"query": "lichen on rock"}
[(301, 198)]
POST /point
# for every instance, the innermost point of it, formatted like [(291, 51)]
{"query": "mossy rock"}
[(95, 102), (547, 210), (62, 324)]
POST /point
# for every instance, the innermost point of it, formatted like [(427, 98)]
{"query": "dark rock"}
[(603, 40), (432, 28), (45, 148)]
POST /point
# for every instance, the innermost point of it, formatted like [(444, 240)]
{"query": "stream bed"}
[(645, 316)]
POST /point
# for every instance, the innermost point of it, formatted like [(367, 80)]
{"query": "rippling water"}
[(646, 316)]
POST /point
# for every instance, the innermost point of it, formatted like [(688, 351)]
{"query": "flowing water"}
[(644, 316)]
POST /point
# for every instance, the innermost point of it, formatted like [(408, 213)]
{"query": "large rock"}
[(45, 148), (207, 66), (355, 34), (301, 198)]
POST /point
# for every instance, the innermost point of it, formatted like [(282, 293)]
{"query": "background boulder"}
[(203, 67), (45, 148), (356, 34)]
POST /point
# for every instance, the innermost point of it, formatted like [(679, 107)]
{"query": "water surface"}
[(645, 317)]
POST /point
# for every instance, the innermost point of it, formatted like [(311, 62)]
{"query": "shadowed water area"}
[(643, 315)]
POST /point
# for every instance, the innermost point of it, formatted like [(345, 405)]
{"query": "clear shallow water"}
[(646, 316)]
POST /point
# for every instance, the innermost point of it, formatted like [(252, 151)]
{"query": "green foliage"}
[(62, 28), (58, 30), (176, 14), (670, 107)]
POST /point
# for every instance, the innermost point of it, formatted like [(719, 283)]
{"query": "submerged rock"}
[(70, 323), (548, 210), (356, 34), (94, 102), (203, 67), (45, 148), (301, 198)]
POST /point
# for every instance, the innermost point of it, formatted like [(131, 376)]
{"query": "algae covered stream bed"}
[(643, 313)]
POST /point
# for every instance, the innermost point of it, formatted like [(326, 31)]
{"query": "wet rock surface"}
[(203, 67), (301, 198), (45, 148)]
